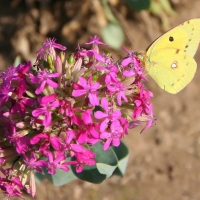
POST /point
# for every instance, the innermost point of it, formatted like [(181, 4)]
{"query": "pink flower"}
[(110, 69), (142, 102), (120, 89), (33, 164), (18, 139), (11, 185), (132, 65), (21, 71), (87, 88), (42, 79), (49, 46), (86, 157), (70, 146), (66, 107), (112, 137), (47, 108), (56, 161), (88, 132), (5, 91), (108, 114), (21, 101), (95, 40), (9, 74)]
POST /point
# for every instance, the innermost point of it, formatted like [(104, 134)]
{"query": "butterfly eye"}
[(171, 39)]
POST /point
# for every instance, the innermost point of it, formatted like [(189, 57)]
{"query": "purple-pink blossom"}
[(42, 79), (49, 46), (54, 112), (108, 115), (87, 88), (113, 136), (49, 104)]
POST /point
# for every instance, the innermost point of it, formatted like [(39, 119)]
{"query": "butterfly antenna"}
[(129, 37)]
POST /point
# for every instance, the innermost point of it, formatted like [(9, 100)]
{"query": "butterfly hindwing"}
[(172, 69)]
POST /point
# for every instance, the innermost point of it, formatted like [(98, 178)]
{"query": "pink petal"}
[(104, 103), (116, 114), (52, 83), (77, 93), (93, 99), (95, 86), (105, 135), (107, 144), (70, 136), (116, 142), (86, 116), (126, 61), (47, 99), (55, 104), (104, 125), (100, 115), (83, 82), (47, 120), (38, 111), (40, 88), (128, 73)]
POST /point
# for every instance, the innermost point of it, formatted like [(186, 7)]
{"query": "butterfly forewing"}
[(185, 37)]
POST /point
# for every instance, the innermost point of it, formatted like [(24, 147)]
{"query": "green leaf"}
[(60, 178), (106, 163), (105, 169), (17, 61), (122, 154), (138, 5), (110, 162), (39, 177), (113, 35)]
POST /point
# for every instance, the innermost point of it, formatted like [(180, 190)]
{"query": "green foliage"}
[(17, 61), (60, 178), (138, 5), (111, 162), (113, 35)]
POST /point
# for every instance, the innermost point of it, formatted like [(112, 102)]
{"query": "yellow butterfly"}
[(169, 59)]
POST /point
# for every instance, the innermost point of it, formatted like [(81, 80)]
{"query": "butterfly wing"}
[(185, 37), (172, 69)]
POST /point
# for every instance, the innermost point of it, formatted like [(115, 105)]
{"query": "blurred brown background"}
[(164, 161)]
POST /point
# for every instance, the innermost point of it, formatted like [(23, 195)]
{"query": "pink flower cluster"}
[(60, 106)]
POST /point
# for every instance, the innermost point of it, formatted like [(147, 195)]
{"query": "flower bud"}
[(50, 62)]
